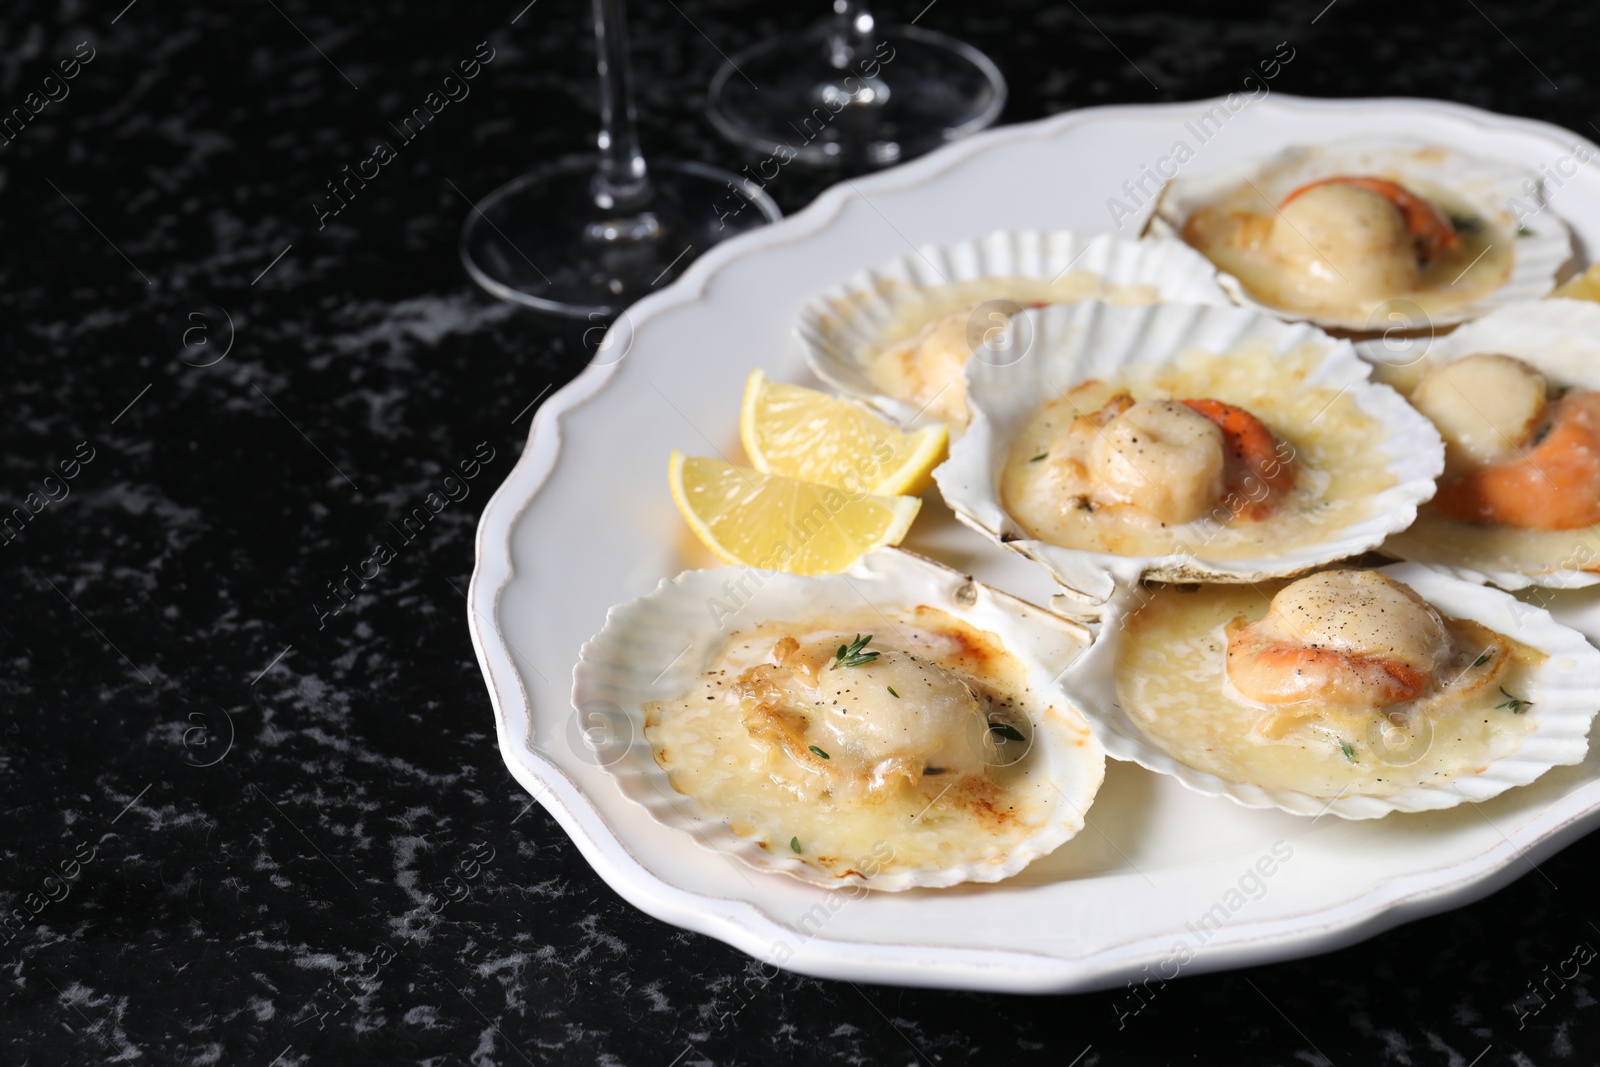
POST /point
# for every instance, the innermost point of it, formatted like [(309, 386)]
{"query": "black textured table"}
[(244, 820)]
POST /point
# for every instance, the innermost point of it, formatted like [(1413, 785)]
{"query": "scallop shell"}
[(841, 328), (1493, 186), (1563, 702), (1562, 339), (640, 657), (1074, 343)]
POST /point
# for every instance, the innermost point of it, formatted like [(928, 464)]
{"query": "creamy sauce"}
[(1341, 458), (1171, 680), (763, 792), (1233, 233), (1488, 547), (922, 351)]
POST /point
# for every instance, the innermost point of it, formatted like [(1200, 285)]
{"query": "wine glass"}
[(586, 236), (848, 91)]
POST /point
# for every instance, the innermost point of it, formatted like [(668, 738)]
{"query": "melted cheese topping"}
[(1172, 681), (786, 747), (1341, 251), (1340, 455), (865, 726), (922, 351)]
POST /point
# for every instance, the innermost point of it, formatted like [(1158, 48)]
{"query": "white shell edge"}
[(1564, 702), (619, 666), (1072, 343), (840, 326), (1558, 336), (1491, 185)]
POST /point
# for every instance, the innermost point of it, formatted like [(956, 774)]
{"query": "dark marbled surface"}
[(290, 840)]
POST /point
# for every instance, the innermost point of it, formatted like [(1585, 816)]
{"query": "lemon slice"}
[(777, 523), (802, 433), (1585, 286)]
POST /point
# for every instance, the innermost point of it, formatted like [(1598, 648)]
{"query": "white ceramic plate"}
[(1163, 879)]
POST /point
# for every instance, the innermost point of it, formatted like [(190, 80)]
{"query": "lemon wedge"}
[(1585, 286), (778, 523), (802, 433)]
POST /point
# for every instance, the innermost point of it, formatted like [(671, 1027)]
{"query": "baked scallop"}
[(1516, 396), (897, 336), (1184, 443), (1349, 691), (894, 726), (1363, 233)]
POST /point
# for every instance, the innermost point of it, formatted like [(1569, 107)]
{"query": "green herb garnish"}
[(1007, 731), (892, 692), (852, 655), (1523, 231), (1349, 750), (1516, 705), (794, 843), (819, 752), (1041, 455), (1481, 660), (933, 770)]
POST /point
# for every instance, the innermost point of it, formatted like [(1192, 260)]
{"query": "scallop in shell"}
[(1472, 693), (1090, 454), (898, 335), (894, 726), (1361, 233), (1550, 348)]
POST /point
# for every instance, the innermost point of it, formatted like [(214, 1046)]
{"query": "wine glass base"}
[(541, 241), (914, 91)]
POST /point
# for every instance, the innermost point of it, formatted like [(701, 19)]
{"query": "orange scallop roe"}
[(1552, 485), (1278, 672), (1258, 467)]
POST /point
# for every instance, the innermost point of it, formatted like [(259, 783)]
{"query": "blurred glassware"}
[(848, 91), (588, 235)]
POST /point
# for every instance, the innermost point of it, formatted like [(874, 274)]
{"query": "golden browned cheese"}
[(785, 746), (881, 722)]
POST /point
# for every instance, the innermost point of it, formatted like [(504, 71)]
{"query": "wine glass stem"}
[(849, 33), (621, 183)]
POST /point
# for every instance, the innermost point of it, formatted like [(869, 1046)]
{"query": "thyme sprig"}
[(854, 654), (1516, 705)]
